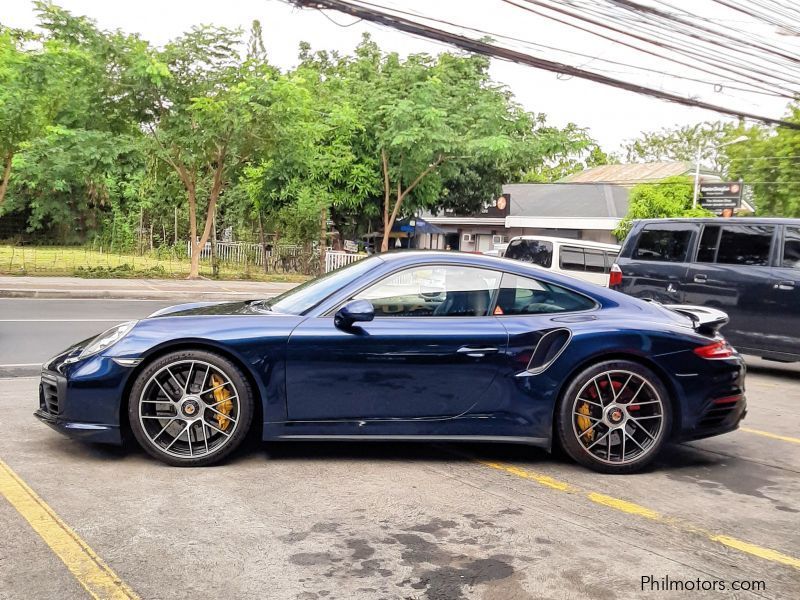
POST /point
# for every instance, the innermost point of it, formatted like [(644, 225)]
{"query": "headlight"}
[(106, 339)]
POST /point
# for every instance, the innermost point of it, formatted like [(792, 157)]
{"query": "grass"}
[(90, 263)]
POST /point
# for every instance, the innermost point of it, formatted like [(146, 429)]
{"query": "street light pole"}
[(697, 175)]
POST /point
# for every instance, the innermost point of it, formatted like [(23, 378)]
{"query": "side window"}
[(745, 245), (571, 259), (531, 251), (525, 296), (434, 291), (707, 250), (791, 248), (658, 243), (595, 261)]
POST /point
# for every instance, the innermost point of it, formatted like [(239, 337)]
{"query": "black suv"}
[(747, 267)]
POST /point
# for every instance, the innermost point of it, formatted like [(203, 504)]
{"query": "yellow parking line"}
[(89, 569), (774, 436), (646, 513)]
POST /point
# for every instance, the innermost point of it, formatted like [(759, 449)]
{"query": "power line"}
[(722, 84), (481, 47), (658, 39)]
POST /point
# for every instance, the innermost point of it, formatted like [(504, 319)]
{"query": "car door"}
[(431, 351), (784, 321), (656, 267), (732, 272)]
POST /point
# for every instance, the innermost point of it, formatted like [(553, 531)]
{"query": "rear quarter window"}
[(536, 252), (662, 244)]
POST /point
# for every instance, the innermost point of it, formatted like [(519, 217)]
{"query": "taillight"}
[(719, 349), (615, 276)]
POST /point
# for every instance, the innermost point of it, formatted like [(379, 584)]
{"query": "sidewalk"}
[(138, 289)]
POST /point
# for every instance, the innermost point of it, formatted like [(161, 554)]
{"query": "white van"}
[(590, 261)]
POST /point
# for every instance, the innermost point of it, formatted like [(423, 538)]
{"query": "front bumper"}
[(87, 432), (82, 400)]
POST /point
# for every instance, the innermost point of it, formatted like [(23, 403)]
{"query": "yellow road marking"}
[(774, 436), (538, 478), (646, 513), (764, 553), (624, 506), (89, 569)]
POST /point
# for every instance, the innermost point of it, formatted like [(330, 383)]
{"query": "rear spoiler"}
[(705, 320)]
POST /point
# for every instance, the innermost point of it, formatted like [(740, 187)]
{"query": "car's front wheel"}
[(614, 417), (190, 408)]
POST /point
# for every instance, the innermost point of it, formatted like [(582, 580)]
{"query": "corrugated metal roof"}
[(567, 200), (631, 174)]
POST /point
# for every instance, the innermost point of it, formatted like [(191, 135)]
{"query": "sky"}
[(612, 116)]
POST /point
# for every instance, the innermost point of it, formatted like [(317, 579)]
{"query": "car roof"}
[(410, 258), (737, 220), (571, 241)]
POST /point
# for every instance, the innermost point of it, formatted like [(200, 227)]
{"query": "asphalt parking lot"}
[(312, 521)]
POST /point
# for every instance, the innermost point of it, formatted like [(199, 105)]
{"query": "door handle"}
[(784, 285), (476, 352), (700, 278)]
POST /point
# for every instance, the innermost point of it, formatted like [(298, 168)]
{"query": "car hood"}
[(248, 307)]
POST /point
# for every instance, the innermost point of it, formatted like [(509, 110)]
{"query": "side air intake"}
[(550, 346)]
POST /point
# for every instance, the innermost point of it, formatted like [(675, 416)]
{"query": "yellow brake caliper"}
[(584, 422), (222, 397)]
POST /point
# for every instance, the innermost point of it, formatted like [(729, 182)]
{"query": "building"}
[(578, 211)]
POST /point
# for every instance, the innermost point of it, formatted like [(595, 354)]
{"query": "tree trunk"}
[(194, 264), (388, 220), (6, 176), (216, 187), (263, 241), (387, 194), (323, 240), (214, 258)]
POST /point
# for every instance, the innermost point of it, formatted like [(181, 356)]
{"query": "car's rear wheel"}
[(614, 417), (190, 408)]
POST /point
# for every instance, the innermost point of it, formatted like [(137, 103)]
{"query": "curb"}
[(189, 295)]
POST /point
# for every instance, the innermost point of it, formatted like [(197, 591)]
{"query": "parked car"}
[(407, 346), (747, 267), (590, 261)]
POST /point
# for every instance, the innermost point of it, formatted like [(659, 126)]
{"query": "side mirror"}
[(353, 312)]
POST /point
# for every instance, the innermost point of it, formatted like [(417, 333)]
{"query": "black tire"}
[(242, 410), (571, 432)]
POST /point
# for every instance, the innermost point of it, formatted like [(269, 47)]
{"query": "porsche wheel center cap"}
[(615, 415), (190, 407)]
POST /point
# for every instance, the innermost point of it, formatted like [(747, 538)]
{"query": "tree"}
[(769, 164), (670, 197), (208, 116), (682, 143), (21, 100)]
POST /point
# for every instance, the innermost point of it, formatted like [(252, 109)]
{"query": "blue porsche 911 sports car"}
[(408, 346)]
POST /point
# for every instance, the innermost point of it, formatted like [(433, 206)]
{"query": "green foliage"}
[(670, 197), (769, 164), (681, 144), (111, 138)]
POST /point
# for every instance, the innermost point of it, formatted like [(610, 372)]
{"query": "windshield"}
[(307, 295)]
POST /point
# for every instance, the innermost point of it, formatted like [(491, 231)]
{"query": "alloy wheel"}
[(189, 409), (618, 417)]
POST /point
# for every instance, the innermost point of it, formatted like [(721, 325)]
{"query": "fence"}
[(232, 252), (280, 258), (335, 259)]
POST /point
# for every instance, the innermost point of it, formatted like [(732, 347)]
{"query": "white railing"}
[(234, 252), (335, 259)]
